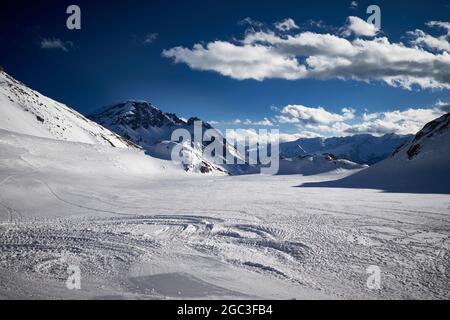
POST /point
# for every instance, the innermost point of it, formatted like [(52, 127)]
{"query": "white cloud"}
[(312, 116), (150, 38), (319, 122), (424, 40), (359, 27), (253, 135), (440, 24), (286, 25), (264, 122), (348, 113), (238, 62), (353, 5), (409, 121), (308, 55), (53, 43), (324, 123)]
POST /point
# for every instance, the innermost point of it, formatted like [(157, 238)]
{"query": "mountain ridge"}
[(151, 128), (421, 165), (29, 112), (361, 148)]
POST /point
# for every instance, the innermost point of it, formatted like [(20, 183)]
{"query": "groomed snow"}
[(141, 228)]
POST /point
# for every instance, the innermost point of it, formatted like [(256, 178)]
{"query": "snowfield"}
[(142, 228)]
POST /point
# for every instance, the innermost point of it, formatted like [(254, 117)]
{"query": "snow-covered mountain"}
[(316, 164), (151, 128), (26, 111), (363, 148), (422, 165)]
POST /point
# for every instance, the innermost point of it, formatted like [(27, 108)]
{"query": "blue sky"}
[(110, 60)]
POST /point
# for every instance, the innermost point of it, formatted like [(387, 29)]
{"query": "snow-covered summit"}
[(135, 114), (141, 122), (151, 128), (26, 111), (430, 142)]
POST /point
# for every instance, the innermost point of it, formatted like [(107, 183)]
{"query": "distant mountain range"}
[(139, 124), (362, 148), (420, 166), (151, 128)]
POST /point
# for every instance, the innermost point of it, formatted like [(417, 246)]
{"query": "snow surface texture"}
[(420, 166), (26, 111), (362, 148), (143, 228), (139, 228)]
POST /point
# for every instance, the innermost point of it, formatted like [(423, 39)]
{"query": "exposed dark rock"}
[(413, 151)]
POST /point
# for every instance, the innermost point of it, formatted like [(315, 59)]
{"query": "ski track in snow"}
[(318, 251), (142, 236), (141, 228)]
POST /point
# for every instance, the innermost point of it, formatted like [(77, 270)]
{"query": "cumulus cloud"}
[(264, 122), (312, 116), (409, 121), (53, 43), (267, 54), (286, 25), (321, 122), (440, 24), (424, 40), (359, 27), (313, 122)]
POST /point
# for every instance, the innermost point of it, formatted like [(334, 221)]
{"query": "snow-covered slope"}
[(362, 148), (421, 165), (140, 229), (50, 157), (151, 128), (26, 111), (316, 164)]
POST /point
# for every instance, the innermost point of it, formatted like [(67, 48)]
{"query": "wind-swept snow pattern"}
[(140, 228)]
